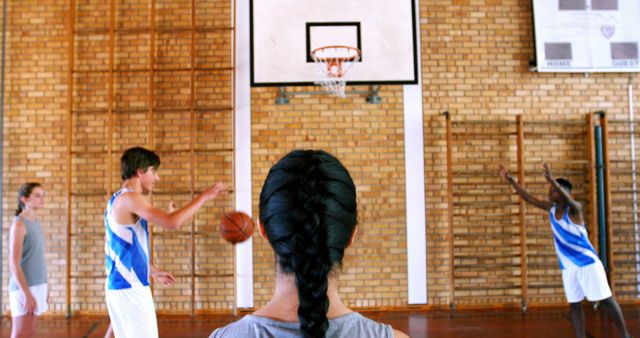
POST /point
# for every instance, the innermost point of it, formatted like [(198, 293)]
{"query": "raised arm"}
[(575, 206), (521, 191)]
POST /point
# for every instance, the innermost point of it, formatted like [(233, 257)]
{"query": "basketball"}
[(236, 226)]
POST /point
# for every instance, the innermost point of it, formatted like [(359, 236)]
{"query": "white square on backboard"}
[(334, 34)]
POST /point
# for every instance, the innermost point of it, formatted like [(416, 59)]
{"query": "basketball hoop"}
[(333, 64)]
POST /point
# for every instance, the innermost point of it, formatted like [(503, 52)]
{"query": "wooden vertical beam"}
[(593, 189), (607, 197), (233, 140), (192, 153), (450, 209), (112, 43), (521, 215), (70, 88), (150, 104), (151, 84)]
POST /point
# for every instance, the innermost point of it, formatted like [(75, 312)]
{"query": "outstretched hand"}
[(218, 189), (547, 172), (521, 191), (503, 172)]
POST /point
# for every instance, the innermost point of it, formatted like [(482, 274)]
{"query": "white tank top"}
[(126, 250)]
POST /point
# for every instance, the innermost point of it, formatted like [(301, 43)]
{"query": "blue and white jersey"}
[(127, 250), (571, 242)]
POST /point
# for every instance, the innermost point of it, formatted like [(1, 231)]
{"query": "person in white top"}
[(583, 274), (127, 218)]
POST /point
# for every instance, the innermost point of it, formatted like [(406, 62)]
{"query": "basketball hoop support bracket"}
[(373, 96)]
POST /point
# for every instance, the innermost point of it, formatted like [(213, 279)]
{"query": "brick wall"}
[(179, 119), (475, 60), (368, 139), (34, 148), (624, 200)]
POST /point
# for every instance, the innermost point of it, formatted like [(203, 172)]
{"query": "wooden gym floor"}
[(494, 323)]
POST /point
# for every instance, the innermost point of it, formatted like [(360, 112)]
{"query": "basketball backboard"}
[(284, 32)]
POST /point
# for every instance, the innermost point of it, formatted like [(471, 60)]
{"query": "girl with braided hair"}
[(308, 213)]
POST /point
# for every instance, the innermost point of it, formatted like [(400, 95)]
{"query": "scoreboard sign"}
[(587, 35)]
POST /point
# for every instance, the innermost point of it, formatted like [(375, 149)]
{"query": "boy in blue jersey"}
[(129, 300), (583, 274)]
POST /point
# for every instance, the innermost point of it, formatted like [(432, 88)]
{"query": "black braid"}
[(308, 208)]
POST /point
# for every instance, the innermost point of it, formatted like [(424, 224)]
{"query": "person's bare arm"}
[(135, 203), (574, 206), (523, 193), (16, 238)]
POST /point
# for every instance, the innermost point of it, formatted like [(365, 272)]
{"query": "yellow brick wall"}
[(623, 237), (34, 146), (37, 100), (475, 60), (369, 141)]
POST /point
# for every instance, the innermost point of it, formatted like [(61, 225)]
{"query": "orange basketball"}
[(236, 226)]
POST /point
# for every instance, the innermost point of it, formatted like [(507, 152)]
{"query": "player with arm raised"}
[(583, 274)]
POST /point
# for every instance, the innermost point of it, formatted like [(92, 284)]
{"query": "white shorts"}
[(132, 312), (588, 281), (16, 300)]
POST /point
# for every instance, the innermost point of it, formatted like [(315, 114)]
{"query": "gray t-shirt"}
[(32, 259), (352, 325)]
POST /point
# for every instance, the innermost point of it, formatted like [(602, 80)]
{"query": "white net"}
[(334, 63)]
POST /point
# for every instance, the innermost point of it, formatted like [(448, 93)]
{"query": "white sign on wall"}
[(587, 35)]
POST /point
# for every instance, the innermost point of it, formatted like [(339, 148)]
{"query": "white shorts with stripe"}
[(132, 312), (589, 281)]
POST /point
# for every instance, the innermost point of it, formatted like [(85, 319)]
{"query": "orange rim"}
[(335, 59)]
